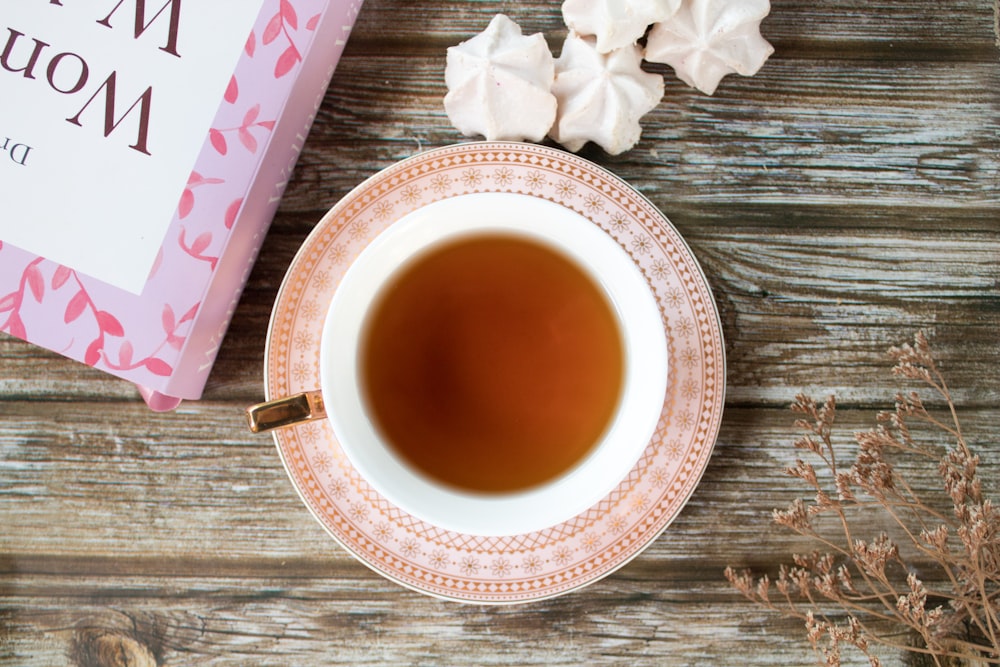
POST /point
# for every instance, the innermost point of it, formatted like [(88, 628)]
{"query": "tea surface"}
[(492, 363)]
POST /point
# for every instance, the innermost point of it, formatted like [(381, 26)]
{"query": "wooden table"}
[(844, 198)]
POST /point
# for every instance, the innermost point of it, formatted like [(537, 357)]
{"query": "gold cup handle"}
[(286, 411)]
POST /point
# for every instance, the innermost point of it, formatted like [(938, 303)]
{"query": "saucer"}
[(555, 560)]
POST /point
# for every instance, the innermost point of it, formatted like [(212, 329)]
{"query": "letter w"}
[(141, 24), (110, 124)]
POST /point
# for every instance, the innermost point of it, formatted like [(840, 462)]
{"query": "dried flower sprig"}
[(862, 591)]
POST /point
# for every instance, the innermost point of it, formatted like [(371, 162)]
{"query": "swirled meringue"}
[(601, 96), (708, 39), (616, 23), (499, 84)]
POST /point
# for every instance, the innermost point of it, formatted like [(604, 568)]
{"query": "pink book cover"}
[(135, 204)]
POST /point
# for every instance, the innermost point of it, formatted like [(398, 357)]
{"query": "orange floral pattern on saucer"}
[(531, 566)]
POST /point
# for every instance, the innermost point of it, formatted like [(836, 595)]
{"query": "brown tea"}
[(492, 363)]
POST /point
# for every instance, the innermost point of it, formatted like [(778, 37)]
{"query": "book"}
[(144, 149)]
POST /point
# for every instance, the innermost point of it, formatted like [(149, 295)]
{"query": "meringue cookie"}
[(499, 84), (616, 23), (708, 39), (601, 96)]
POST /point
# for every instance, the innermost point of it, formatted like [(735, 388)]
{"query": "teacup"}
[(492, 364)]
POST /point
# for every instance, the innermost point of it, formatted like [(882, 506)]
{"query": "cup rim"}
[(589, 480)]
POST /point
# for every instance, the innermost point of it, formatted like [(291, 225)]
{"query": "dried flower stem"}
[(869, 581)]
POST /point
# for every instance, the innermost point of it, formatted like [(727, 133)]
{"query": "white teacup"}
[(342, 398)]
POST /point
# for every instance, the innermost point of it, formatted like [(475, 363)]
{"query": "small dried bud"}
[(814, 629), (911, 606), (959, 470), (796, 517), (893, 426), (821, 418), (764, 588), (913, 404), (845, 579), (803, 471), (912, 371), (823, 502), (980, 535), (800, 578), (809, 561), (783, 584), (874, 556), (808, 444), (913, 361), (937, 538), (871, 471), (804, 404), (844, 491), (827, 586), (855, 635), (828, 412), (741, 581)]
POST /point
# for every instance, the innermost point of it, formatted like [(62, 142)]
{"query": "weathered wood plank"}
[(307, 622), (131, 485), (908, 28), (798, 133)]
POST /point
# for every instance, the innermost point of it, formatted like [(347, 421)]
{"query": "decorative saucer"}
[(530, 566)]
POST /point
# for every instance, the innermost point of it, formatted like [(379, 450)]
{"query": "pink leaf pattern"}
[(175, 341), (109, 324), (189, 315), (196, 179), (232, 91), (186, 203), (247, 139), (218, 141), (280, 23), (36, 283), (273, 29), (16, 326), (125, 353), (243, 133), (75, 306), (251, 46), (9, 302), (231, 211), (286, 62), (60, 276), (93, 354), (288, 14), (201, 243), (158, 366), (197, 247), (251, 115), (167, 319)]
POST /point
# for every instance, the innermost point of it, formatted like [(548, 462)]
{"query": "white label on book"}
[(104, 107)]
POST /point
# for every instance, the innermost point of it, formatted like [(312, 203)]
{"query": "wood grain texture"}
[(846, 196)]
